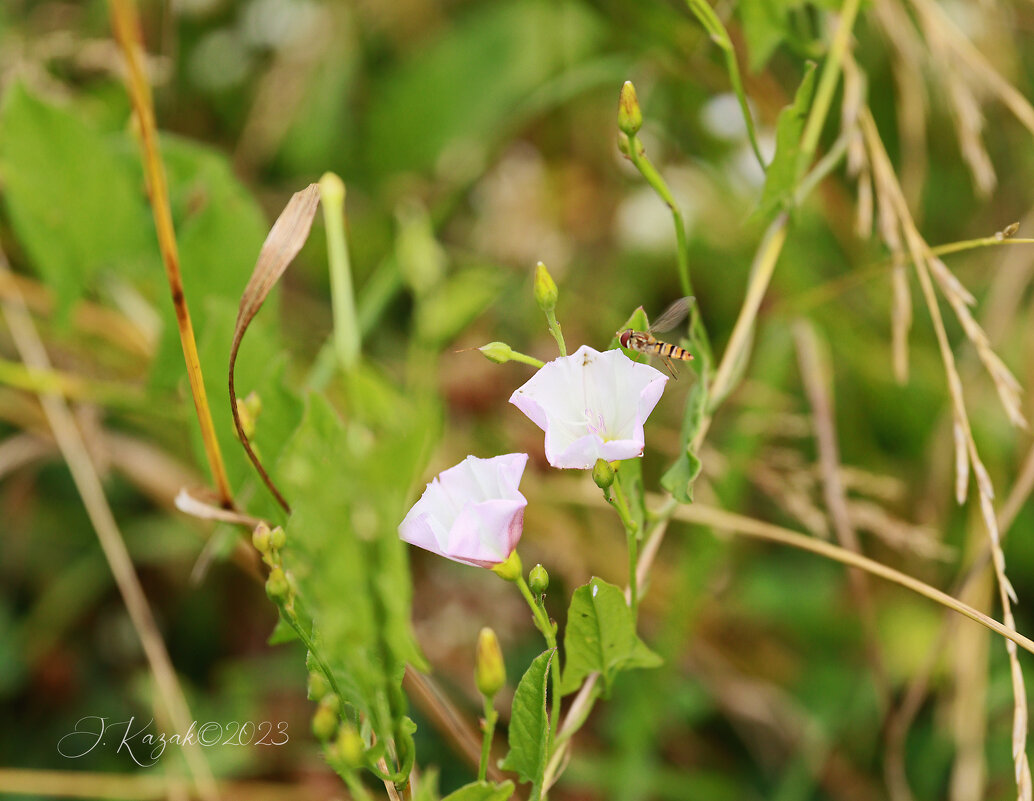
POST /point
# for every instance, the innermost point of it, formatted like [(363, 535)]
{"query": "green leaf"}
[(454, 303), (74, 195), (347, 484), (764, 28), (529, 724), (781, 176), (482, 791), (678, 479), (600, 637), (282, 632)]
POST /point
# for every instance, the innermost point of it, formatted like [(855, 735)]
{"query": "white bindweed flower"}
[(591, 405), (471, 513)]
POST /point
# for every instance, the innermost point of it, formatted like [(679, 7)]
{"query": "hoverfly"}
[(645, 342)]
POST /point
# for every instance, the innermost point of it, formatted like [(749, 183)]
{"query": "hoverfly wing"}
[(672, 316)]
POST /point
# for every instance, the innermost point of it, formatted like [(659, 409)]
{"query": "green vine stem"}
[(543, 624)]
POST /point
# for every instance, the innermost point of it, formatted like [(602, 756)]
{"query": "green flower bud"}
[(623, 147), (319, 687), (630, 116), (349, 746), (324, 721), (277, 587), (261, 538), (546, 292), (538, 580), (489, 671), (277, 538), (498, 352), (511, 569), (603, 474)]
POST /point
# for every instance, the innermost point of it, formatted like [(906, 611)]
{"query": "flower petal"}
[(591, 405)]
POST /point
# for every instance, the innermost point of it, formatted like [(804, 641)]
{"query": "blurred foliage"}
[(477, 138)]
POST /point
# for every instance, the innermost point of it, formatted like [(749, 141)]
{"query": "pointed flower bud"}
[(349, 746), (277, 538), (546, 293), (511, 569), (630, 116), (319, 687), (498, 352), (538, 580), (324, 721), (277, 587), (603, 474), (489, 671), (261, 538)]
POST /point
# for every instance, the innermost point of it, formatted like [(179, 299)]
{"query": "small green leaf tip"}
[(332, 189), (324, 720), (603, 474), (538, 580), (498, 352), (277, 587), (630, 116), (489, 670), (546, 293), (511, 569), (261, 538)]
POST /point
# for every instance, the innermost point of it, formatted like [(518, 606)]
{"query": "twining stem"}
[(126, 26), (543, 624), (342, 298), (827, 85), (491, 716)]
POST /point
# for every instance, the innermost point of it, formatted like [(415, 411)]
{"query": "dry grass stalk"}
[(73, 448), (126, 26), (815, 375), (966, 450)]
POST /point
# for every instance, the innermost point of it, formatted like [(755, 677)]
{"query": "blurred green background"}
[(475, 139)]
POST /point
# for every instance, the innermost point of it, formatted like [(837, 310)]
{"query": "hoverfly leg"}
[(670, 366)]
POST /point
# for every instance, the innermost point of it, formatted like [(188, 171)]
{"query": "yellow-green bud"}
[(319, 687), (498, 352), (511, 569), (261, 538), (623, 147), (324, 721), (332, 189), (603, 474), (630, 116), (277, 538), (546, 293), (538, 580), (277, 587), (349, 746), (489, 670)]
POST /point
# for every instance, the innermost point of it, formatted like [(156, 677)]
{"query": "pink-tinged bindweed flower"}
[(472, 513), (591, 405)]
